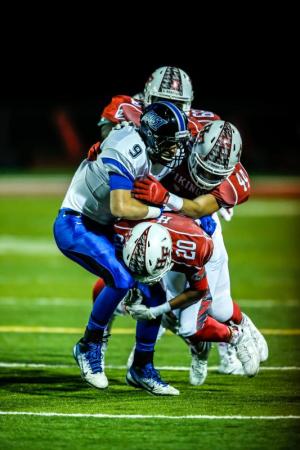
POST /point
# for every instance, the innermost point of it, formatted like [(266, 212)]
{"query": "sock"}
[(213, 331), (237, 314), (142, 358)]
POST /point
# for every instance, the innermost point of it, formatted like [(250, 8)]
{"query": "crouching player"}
[(191, 249)]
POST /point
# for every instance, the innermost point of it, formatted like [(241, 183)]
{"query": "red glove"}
[(150, 190), (93, 152)]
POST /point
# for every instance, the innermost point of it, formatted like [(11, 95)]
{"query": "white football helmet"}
[(216, 151), (147, 252), (170, 83)]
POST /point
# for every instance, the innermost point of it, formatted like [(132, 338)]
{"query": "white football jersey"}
[(123, 152)]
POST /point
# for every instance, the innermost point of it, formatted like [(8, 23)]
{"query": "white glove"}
[(140, 312), (133, 297), (226, 213)]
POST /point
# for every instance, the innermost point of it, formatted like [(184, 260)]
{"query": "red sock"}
[(98, 286), (212, 331), (237, 314)]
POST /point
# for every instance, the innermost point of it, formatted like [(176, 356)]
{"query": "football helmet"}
[(216, 151), (147, 252), (164, 130), (169, 83)]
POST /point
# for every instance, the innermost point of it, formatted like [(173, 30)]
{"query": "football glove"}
[(140, 312), (133, 297), (226, 213), (150, 190)]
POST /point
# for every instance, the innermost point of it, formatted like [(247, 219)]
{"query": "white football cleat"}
[(258, 338), (229, 362), (198, 370), (246, 349), (89, 358)]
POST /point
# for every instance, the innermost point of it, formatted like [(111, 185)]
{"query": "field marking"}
[(18, 365), (141, 416), (124, 331), (79, 302)]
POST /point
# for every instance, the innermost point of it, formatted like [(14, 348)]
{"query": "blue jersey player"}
[(100, 192)]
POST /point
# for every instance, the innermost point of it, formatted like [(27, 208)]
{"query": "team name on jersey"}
[(186, 184)]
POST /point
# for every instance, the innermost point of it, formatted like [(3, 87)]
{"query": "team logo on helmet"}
[(171, 81), (220, 152), (153, 120)]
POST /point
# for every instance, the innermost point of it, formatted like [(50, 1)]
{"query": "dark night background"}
[(60, 80)]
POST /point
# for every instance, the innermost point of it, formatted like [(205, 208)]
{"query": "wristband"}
[(161, 309), (152, 213), (174, 202)]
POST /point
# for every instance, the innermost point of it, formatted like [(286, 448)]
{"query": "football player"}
[(191, 249), (99, 192), (210, 178)]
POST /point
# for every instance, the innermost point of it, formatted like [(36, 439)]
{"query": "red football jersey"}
[(234, 190), (123, 107), (192, 247)]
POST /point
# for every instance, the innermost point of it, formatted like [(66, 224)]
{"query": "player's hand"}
[(226, 213), (93, 152), (150, 190), (133, 297), (140, 312)]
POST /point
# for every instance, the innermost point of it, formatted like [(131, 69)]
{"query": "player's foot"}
[(246, 349), (258, 338), (148, 378), (198, 369), (229, 362), (89, 358)]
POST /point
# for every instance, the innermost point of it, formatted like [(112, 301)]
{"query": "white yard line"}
[(19, 365), (142, 416)]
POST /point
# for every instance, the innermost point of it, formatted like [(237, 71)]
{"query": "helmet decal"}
[(137, 262), (171, 81), (154, 121), (147, 252), (220, 152)]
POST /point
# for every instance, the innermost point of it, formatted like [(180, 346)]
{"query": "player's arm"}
[(124, 206), (197, 291), (152, 191)]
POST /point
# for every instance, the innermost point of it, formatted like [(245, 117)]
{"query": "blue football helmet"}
[(164, 131)]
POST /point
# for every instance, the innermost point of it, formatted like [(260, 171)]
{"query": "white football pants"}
[(219, 284)]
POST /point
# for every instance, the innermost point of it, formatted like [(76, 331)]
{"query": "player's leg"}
[(142, 373), (86, 243)]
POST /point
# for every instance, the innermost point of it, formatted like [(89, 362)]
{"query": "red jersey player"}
[(211, 178), (191, 249)]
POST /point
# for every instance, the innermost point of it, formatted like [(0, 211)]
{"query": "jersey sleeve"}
[(124, 153), (121, 107), (197, 279), (234, 190), (117, 164), (198, 118)]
